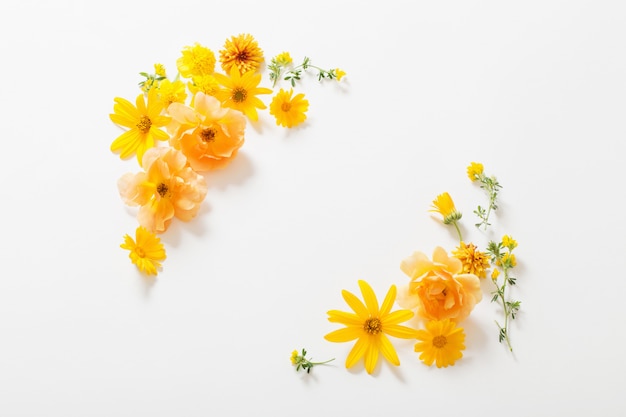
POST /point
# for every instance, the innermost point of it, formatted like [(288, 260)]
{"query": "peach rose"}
[(167, 188), (208, 134), (438, 289)]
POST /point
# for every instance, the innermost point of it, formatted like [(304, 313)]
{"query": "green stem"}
[(458, 231), (507, 311)]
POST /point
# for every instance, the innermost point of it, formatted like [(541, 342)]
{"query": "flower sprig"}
[(503, 259), (283, 61), (300, 361), (490, 184)]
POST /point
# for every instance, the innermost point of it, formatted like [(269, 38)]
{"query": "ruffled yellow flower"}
[(146, 251), (370, 325), (474, 261), (196, 60), (444, 205), (241, 51), (288, 111), (206, 84), (240, 92), (442, 342), (171, 92), (144, 122), (474, 171)]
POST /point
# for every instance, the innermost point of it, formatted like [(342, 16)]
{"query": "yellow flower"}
[(495, 274), (241, 51), (196, 60), (146, 251), (294, 356), (171, 92), (441, 342), (474, 171), (508, 260), (339, 73), (240, 92), (283, 58), (509, 242), (370, 325), (444, 205), (159, 70), (288, 111), (474, 261), (144, 121), (206, 84)]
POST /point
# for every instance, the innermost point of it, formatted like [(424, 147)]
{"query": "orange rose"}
[(438, 289), (208, 134)]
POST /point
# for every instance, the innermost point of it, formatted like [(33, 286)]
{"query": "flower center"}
[(144, 124), (140, 252), (242, 56), (163, 189), (439, 341), (373, 326), (239, 95), (208, 134), (285, 107)]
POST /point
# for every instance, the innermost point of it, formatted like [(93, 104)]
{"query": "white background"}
[(535, 90)]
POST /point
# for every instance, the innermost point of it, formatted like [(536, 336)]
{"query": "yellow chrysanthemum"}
[(444, 205), (339, 73), (146, 251), (240, 92), (241, 51), (474, 171), (171, 92), (474, 261), (442, 342), (144, 122), (196, 60), (370, 325), (206, 84), (288, 111)]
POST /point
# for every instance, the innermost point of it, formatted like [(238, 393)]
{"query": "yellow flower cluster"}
[(180, 128)]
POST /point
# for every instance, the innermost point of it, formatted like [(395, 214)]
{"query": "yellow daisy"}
[(144, 122), (288, 111), (240, 92), (370, 325), (474, 261), (442, 342), (146, 251), (196, 60), (241, 51)]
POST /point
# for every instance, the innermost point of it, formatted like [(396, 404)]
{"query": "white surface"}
[(535, 90)]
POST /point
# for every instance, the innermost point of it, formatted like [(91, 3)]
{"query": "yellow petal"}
[(369, 297), (388, 350), (355, 304), (344, 335), (357, 351)]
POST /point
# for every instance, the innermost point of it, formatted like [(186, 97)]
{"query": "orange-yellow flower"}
[(370, 325), (241, 51), (439, 289), (167, 188), (146, 251), (144, 122), (208, 134), (442, 342), (474, 261), (289, 111), (240, 92)]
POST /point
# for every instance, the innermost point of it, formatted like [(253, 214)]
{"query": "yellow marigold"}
[(339, 73), (144, 122), (474, 171), (171, 92), (196, 60), (146, 251), (241, 51), (509, 242), (206, 84), (474, 261), (167, 188), (240, 92), (439, 289), (288, 111), (369, 325), (208, 134), (442, 342), (444, 205)]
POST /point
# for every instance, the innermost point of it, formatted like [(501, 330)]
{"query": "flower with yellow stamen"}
[(442, 342), (240, 92), (474, 261), (289, 111), (474, 171), (196, 60), (146, 251), (144, 122), (369, 325), (241, 51)]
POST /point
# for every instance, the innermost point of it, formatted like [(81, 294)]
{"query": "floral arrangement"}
[(442, 291), (180, 129)]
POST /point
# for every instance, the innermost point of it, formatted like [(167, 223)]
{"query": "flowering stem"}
[(456, 226), (504, 331)]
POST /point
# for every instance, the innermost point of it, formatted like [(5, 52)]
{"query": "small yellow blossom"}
[(509, 242), (495, 274), (159, 70), (339, 73), (284, 58), (474, 171), (294, 356), (146, 251)]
